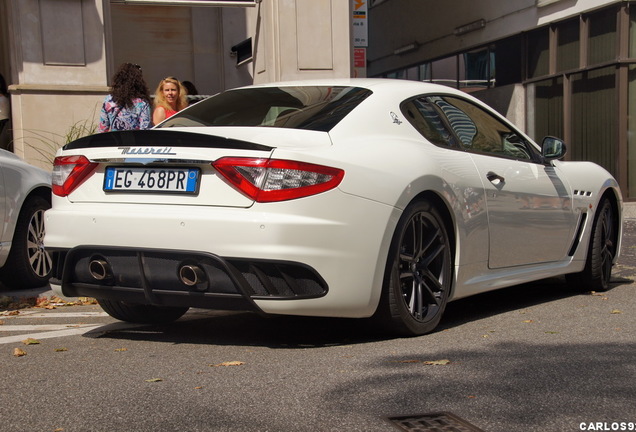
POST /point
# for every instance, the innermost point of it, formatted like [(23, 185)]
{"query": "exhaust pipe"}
[(99, 269), (192, 275)]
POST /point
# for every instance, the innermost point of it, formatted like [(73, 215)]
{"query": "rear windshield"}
[(317, 108)]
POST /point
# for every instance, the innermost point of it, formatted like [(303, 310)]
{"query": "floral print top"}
[(116, 118)]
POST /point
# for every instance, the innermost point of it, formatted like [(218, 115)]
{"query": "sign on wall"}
[(359, 20)]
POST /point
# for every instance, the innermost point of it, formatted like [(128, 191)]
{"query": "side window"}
[(425, 117), (480, 131)]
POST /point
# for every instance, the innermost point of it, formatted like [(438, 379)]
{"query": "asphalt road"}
[(538, 357)]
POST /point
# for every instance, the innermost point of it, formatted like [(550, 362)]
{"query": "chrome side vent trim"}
[(577, 236)]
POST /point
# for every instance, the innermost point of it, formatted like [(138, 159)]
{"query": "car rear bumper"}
[(181, 278), (323, 256)]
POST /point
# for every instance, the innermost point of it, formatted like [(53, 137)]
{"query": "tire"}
[(418, 275), (28, 264), (140, 313), (601, 252)]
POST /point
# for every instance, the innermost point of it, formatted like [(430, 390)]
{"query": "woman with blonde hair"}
[(170, 97)]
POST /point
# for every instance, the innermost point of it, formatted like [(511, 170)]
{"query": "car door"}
[(529, 206)]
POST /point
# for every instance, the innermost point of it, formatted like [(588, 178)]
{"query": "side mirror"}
[(552, 148)]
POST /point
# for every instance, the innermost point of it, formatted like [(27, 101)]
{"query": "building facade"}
[(58, 56), (565, 68), (554, 67)]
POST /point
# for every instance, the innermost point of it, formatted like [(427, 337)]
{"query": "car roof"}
[(377, 85)]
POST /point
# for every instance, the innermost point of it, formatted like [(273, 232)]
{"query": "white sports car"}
[(346, 198), (25, 193)]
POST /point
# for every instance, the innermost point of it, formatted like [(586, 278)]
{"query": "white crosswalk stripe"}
[(47, 335), (45, 331)]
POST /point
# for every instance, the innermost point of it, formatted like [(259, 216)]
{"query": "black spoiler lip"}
[(161, 138)]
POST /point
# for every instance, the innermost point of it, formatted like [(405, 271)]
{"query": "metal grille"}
[(436, 422)]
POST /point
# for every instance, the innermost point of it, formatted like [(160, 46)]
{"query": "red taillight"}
[(68, 173), (268, 180)]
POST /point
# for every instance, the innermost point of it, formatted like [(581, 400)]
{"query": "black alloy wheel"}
[(419, 272), (597, 273)]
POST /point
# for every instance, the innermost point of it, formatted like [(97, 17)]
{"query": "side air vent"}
[(582, 193), (577, 237)]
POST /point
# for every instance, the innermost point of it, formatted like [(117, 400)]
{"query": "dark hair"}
[(128, 84), (3, 86), (191, 89)]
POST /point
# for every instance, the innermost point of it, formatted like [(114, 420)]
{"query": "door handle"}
[(495, 178)]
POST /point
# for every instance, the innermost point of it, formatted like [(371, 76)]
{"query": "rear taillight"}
[(269, 180), (68, 173)]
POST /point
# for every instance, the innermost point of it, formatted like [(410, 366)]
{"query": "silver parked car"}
[(25, 194)]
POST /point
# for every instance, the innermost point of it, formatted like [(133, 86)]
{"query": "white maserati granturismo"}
[(343, 198)]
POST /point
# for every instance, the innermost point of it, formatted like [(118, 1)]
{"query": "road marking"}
[(40, 327), (58, 315), (46, 331), (47, 335)]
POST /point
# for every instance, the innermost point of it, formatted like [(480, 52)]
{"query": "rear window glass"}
[(317, 108)]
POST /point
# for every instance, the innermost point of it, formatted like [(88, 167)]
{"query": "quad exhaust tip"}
[(99, 269), (192, 275)]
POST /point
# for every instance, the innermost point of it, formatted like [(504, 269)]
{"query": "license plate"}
[(151, 179)]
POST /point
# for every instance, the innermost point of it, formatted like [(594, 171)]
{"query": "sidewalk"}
[(629, 210)]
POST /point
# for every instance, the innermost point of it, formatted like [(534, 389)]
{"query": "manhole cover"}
[(436, 422)]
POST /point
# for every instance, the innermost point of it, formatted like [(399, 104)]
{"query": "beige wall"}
[(57, 76), (64, 52)]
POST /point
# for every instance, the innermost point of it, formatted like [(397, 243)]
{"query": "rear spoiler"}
[(162, 138)]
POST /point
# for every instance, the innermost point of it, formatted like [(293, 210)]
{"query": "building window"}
[(538, 53), (632, 32), (444, 71), (568, 46), (477, 69), (602, 36), (425, 72), (631, 132), (545, 103), (508, 61), (594, 117)]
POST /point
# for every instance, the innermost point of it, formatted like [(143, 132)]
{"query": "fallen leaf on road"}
[(527, 321), (31, 341), (1, 322), (437, 362), (17, 352), (151, 380), (228, 363), (60, 349), (616, 311), (552, 332), (121, 349)]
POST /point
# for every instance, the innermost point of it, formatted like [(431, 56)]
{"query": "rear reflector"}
[(69, 172), (269, 180)]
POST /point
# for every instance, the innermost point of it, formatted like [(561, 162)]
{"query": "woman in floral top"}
[(128, 105)]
